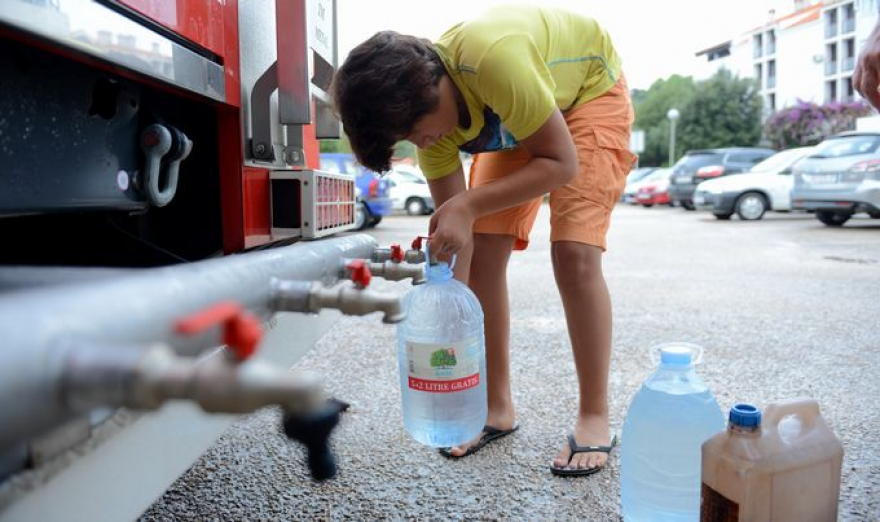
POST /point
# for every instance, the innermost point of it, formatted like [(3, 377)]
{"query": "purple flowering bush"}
[(806, 123)]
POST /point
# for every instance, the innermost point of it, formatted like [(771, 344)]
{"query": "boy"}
[(538, 96)]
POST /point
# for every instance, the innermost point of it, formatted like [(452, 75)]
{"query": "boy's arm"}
[(554, 163), (442, 190)]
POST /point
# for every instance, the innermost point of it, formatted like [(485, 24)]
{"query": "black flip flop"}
[(563, 472), (491, 433)]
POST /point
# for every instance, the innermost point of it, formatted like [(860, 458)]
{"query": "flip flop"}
[(583, 449), (491, 433)]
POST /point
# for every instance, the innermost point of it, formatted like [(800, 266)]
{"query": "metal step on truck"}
[(168, 241)]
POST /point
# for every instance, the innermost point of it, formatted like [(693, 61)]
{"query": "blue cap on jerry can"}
[(745, 416)]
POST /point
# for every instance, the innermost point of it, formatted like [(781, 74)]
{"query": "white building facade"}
[(808, 54)]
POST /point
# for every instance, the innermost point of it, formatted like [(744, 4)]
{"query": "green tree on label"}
[(444, 357)]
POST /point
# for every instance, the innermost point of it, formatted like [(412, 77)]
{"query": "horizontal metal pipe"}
[(38, 325)]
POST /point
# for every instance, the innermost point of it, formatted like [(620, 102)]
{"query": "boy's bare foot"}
[(590, 430), (501, 421)]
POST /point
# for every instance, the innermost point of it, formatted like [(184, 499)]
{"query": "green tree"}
[(340, 145), (651, 107), (724, 111)]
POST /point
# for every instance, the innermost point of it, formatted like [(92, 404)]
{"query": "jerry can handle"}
[(807, 410)]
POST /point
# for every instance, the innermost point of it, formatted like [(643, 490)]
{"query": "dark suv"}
[(700, 165)]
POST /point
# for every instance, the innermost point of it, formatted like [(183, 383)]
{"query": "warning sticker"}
[(443, 368)]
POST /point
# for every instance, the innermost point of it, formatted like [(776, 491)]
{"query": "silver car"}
[(840, 178)]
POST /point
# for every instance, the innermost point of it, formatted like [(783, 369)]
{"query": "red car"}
[(654, 190)]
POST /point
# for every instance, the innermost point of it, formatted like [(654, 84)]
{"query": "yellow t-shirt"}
[(513, 66)]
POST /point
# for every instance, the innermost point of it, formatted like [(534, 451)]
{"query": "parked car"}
[(373, 200), (633, 181), (699, 165), (654, 189), (840, 178), (409, 190), (751, 194)]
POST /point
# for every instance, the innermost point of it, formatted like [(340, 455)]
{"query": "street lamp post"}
[(673, 115)]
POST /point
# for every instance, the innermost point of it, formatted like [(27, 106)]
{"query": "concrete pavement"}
[(785, 307)]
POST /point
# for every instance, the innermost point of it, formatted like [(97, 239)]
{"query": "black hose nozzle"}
[(313, 430)]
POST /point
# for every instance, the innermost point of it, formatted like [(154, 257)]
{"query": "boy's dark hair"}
[(385, 85)]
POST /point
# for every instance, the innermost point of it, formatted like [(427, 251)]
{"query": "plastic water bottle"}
[(442, 361), (666, 424)]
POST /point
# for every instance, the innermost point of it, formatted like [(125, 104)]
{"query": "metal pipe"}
[(146, 378), (393, 271), (312, 297), (37, 325)]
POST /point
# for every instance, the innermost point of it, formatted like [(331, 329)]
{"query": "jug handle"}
[(428, 255), (807, 410)]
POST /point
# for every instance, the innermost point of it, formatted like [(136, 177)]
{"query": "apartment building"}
[(807, 54)]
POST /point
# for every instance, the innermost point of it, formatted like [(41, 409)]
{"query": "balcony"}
[(830, 68), (831, 30), (756, 53), (849, 25), (848, 64), (771, 48), (771, 82)]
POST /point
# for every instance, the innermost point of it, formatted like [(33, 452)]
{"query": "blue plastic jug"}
[(667, 422), (442, 358)]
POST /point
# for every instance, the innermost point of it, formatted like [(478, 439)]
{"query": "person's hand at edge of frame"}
[(866, 79)]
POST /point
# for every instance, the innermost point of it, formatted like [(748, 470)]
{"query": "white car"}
[(766, 187), (408, 190)]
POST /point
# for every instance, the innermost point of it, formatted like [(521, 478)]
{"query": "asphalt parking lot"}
[(785, 307)]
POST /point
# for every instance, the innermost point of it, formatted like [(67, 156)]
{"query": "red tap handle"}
[(241, 330), (417, 242), (397, 254), (360, 273)]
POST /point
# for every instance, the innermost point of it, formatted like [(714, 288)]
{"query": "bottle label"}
[(443, 368), (715, 507)]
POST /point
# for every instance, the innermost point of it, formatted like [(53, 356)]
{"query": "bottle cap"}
[(745, 415), (438, 271), (678, 354)]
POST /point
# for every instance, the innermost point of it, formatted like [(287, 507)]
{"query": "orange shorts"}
[(581, 210)]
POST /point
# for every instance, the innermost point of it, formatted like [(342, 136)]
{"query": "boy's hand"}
[(451, 226)]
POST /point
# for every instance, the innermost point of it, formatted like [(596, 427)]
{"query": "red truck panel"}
[(211, 24), (200, 21)]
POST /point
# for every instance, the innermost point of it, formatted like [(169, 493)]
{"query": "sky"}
[(655, 38)]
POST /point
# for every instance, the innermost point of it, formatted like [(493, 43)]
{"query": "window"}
[(847, 90), (771, 42), (849, 19), (849, 54), (830, 91), (771, 102), (758, 75), (846, 146), (830, 59), (771, 74), (757, 44), (831, 23), (747, 157)]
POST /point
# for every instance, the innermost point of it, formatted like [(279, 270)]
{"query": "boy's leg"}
[(488, 280), (495, 237), (578, 271), (580, 217)]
